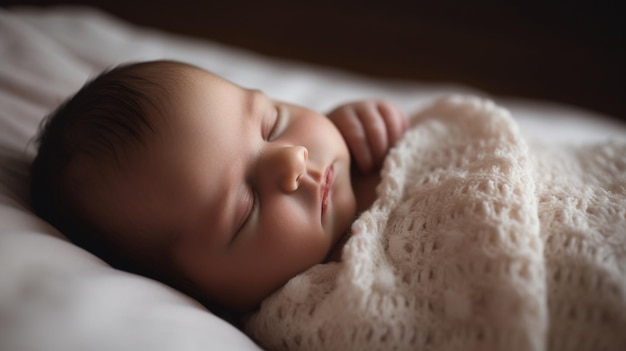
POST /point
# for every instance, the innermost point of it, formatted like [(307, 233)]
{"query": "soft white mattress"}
[(55, 296)]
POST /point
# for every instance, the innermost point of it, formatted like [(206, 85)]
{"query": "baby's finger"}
[(395, 121), (353, 132), (375, 130)]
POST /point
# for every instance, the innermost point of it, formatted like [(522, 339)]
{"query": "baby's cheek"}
[(293, 242)]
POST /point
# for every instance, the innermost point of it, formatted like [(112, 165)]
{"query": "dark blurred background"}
[(565, 51)]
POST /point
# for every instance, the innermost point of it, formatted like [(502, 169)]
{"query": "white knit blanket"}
[(477, 241)]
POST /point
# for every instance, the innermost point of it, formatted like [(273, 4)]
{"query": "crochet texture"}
[(476, 242)]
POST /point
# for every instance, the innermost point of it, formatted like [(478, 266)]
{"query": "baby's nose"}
[(292, 166)]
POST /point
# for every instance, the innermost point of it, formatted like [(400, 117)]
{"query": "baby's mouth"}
[(325, 188)]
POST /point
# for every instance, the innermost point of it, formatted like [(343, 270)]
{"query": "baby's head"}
[(176, 173)]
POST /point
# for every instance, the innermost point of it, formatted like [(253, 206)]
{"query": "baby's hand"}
[(370, 128)]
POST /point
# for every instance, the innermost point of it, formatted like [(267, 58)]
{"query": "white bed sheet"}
[(55, 296)]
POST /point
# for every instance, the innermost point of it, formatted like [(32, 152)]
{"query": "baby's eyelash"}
[(277, 123), (250, 195), (253, 208)]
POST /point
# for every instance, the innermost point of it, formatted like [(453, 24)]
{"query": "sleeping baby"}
[(168, 170), (360, 230)]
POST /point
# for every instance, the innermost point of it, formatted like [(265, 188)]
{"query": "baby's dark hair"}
[(103, 121)]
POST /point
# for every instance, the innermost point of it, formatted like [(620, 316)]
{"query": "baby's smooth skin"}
[(256, 190)]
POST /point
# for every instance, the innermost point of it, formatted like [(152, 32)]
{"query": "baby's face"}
[(244, 192)]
